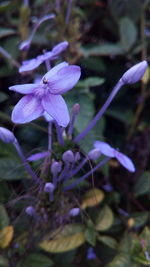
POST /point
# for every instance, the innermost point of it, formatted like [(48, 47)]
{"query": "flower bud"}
[(74, 212), (76, 108), (60, 47), (56, 167), (6, 136), (135, 73), (94, 154), (49, 188), (30, 210), (68, 156)]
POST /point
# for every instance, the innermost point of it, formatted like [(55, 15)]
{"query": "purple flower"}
[(6, 136), (135, 73), (108, 151), (32, 64), (45, 96)]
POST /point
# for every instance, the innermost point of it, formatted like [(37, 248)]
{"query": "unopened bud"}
[(6, 136), (60, 47), (135, 73), (68, 156), (94, 154), (56, 167), (25, 45), (30, 210), (76, 108), (74, 212), (49, 188)]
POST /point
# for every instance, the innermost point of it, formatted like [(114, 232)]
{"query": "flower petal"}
[(47, 117), (59, 48), (57, 108), (125, 161), (31, 64), (27, 109), (24, 88), (53, 71), (104, 148), (38, 156), (64, 79)]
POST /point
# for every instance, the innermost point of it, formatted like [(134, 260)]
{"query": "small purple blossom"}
[(46, 96), (135, 73), (68, 156), (74, 212), (108, 151), (6, 136), (94, 154), (32, 64), (38, 156), (91, 254)]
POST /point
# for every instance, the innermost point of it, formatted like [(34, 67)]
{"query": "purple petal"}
[(53, 71), (57, 108), (38, 156), (104, 148), (60, 48), (135, 73), (31, 64), (125, 161), (24, 88), (27, 109), (47, 116), (48, 55), (64, 80)]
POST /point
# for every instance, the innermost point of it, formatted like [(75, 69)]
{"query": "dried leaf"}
[(92, 198), (6, 235)]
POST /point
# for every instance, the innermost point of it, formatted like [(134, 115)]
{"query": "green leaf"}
[(142, 186), (121, 260), (105, 219), (90, 233), (3, 262), (68, 238), (103, 50), (36, 260), (89, 82), (128, 33), (4, 32), (11, 169), (140, 218), (3, 97), (4, 220), (108, 241)]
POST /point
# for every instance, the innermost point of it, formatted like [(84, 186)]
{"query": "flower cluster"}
[(44, 99)]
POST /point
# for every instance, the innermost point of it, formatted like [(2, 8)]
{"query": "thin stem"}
[(9, 57), (70, 130), (59, 134), (78, 181), (78, 168), (68, 11), (100, 113), (50, 136), (25, 163), (64, 172)]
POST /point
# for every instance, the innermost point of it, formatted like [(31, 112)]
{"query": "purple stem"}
[(70, 130), (25, 163), (59, 134), (100, 113), (68, 11), (64, 172), (78, 168), (100, 164), (50, 136)]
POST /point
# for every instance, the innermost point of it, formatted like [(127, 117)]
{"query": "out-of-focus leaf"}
[(128, 33), (3, 97), (140, 218), (11, 169), (142, 186), (108, 241), (125, 116), (6, 235), (103, 50), (93, 63), (36, 260), (92, 198), (3, 262), (105, 219), (145, 236), (68, 238), (129, 8), (141, 260), (121, 260), (4, 220), (4, 32), (89, 82), (146, 76), (90, 233)]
